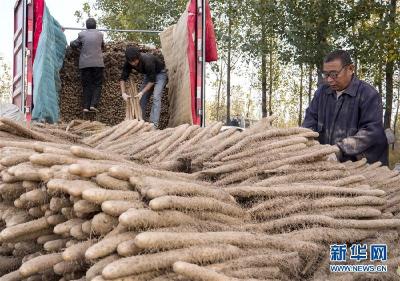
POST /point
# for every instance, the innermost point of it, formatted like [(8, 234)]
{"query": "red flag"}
[(211, 42), (38, 6)]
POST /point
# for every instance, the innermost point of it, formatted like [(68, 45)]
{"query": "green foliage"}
[(83, 14), (222, 12), (139, 14), (311, 28)]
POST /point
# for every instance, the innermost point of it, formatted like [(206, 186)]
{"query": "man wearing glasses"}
[(348, 112)]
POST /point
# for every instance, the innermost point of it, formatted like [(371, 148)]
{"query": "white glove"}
[(125, 96)]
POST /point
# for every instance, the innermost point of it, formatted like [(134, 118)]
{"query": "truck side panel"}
[(22, 59), (18, 56)]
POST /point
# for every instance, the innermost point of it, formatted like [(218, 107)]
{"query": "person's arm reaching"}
[(145, 89), (77, 43), (125, 96)]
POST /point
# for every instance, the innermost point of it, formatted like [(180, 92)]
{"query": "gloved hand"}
[(332, 157), (336, 157), (139, 95), (125, 96)]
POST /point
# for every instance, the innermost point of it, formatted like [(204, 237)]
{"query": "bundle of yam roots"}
[(83, 201), (112, 107)]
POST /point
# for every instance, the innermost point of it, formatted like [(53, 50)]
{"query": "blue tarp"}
[(48, 62)]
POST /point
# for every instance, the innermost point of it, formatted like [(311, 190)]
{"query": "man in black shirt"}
[(155, 78)]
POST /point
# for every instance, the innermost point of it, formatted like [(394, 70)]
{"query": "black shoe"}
[(92, 108)]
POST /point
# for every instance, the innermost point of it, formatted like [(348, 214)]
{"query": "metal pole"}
[(203, 62), (23, 48), (115, 30), (199, 60)]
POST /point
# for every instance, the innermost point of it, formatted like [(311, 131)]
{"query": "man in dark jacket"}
[(91, 64), (155, 78), (347, 112)]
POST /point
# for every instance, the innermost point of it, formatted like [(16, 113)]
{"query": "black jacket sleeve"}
[(126, 71), (370, 125), (76, 44)]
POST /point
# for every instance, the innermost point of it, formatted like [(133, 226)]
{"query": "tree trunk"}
[(263, 45), (397, 108), (355, 64), (248, 105), (219, 88), (379, 82), (389, 94), (320, 80), (228, 69), (322, 37), (264, 84), (310, 72), (271, 77), (301, 96), (354, 34), (389, 70)]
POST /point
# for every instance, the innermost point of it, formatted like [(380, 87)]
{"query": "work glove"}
[(125, 96), (337, 156), (139, 95), (332, 157)]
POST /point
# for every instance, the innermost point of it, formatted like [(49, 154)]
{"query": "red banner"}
[(38, 6)]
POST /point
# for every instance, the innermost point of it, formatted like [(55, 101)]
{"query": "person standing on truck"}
[(91, 64), (347, 112), (155, 79)]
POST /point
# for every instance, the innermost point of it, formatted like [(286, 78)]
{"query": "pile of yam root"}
[(83, 201), (112, 106)]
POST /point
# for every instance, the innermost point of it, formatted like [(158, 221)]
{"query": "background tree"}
[(374, 44), (5, 82), (262, 20), (310, 30), (228, 17), (269, 35), (391, 48), (278, 46), (135, 14)]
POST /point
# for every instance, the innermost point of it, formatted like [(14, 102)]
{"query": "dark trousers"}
[(92, 80)]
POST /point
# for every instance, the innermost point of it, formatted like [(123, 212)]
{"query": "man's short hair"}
[(91, 23), (342, 55), (132, 53)]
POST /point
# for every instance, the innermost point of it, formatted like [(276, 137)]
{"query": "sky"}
[(61, 10)]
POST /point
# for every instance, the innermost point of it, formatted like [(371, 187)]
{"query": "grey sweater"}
[(90, 42)]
